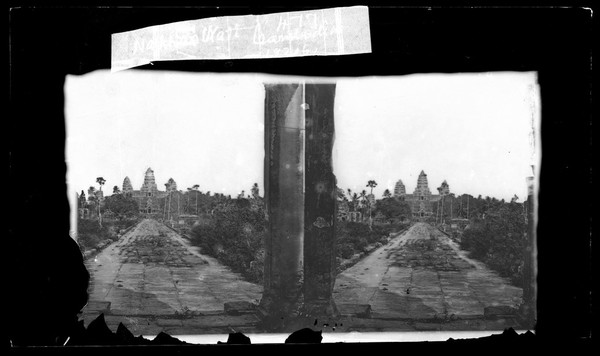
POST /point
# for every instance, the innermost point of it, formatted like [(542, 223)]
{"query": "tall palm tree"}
[(363, 200), (195, 188), (371, 184), (100, 182), (255, 191), (355, 200), (168, 199)]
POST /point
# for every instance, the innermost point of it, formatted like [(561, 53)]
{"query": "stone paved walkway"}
[(423, 277), (153, 280)]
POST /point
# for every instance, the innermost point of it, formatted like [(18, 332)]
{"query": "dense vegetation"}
[(90, 235), (234, 234), (393, 210), (118, 212), (497, 238)]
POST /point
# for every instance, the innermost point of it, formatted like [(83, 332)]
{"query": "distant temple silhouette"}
[(421, 200), (148, 196)]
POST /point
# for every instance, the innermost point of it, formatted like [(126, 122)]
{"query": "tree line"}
[(174, 203)]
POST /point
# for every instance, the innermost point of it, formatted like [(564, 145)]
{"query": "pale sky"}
[(469, 129)]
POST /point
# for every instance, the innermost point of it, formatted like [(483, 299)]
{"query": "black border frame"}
[(46, 43)]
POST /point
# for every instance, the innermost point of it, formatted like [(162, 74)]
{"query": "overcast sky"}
[(469, 129)]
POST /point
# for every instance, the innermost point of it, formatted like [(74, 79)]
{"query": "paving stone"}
[(97, 306), (221, 321), (366, 325), (499, 311), (355, 310), (239, 307), (389, 314), (461, 325), (168, 322), (427, 326)]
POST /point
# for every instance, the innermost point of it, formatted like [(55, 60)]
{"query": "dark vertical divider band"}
[(319, 208), (284, 197)]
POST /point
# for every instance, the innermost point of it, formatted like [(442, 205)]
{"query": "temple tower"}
[(421, 206), (422, 191), (149, 187), (127, 187), (399, 190)]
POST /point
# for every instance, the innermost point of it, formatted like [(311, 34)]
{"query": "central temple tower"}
[(149, 187), (421, 206)]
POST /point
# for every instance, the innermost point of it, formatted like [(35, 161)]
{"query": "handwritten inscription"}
[(317, 32)]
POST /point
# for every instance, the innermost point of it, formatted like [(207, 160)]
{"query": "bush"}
[(90, 234), (234, 234), (499, 240), (475, 241), (345, 250)]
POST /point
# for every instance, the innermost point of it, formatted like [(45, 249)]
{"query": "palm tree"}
[(195, 187), (363, 200), (371, 184), (100, 182), (168, 199), (387, 193), (255, 191), (355, 200)]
